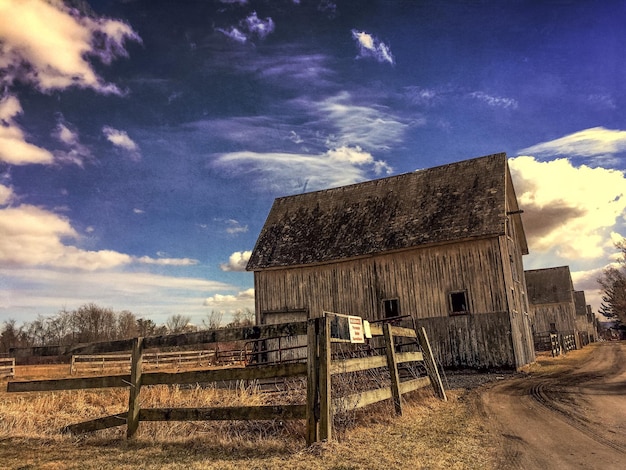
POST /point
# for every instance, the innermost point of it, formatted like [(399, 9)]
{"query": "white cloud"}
[(28, 291), (46, 43), (237, 261), (366, 126), (31, 236), (233, 227), (121, 140), (248, 27), (13, 146), (75, 152), (259, 27), (289, 173), (594, 142), (569, 211), (6, 195), (229, 299), (370, 46), (494, 101)]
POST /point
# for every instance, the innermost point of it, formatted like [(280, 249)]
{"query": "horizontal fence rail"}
[(7, 367), (318, 366)]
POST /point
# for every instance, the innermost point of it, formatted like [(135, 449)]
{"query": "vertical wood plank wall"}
[(421, 280)]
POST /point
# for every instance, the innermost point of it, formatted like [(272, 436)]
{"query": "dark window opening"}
[(391, 307), (553, 328), (458, 302)]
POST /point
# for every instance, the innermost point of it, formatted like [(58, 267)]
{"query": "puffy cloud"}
[(6, 195), (46, 43), (230, 299), (370, 46), (121, 140), (237, 261), (569, 211), (31, 236), (594, 142), (13, 146)]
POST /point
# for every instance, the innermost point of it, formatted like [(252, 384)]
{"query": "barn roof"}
[(549, 285), (446, 203)]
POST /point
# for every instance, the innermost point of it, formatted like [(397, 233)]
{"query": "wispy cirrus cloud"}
[(290, 172), (494, 101), (593, 142)]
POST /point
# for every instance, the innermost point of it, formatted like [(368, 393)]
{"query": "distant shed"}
[(551, 298), (443, 245)]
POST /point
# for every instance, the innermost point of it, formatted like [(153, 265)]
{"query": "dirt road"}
[(564, 417)]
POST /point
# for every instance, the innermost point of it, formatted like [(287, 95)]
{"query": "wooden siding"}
[(420, 279), (561, 314), (480, 341)]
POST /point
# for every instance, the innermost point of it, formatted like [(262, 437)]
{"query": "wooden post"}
[(431, 365), (326, 417), (132, 418), (73, 365), (393, 368), (312, 383)]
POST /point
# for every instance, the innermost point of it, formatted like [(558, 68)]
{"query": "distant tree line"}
[(613, 283), (90, 323)]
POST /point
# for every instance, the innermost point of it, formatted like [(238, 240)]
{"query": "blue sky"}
[(142, 143)]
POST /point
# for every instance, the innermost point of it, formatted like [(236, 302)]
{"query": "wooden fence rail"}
[(100, 362), (7, 367), (319, 368)]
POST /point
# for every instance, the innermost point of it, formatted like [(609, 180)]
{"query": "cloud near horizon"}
[(230, 300), (31, 236)]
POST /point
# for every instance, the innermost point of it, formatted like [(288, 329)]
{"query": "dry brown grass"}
[(431, 434)]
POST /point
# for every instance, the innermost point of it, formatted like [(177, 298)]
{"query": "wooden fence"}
[(556, 343), (156, 360), (318, 369), (7, 367)]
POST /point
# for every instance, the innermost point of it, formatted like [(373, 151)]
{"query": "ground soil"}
[(570, 413)]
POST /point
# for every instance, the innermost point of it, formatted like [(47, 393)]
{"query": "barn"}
[(552, 302), (443, 245), (585, 319)]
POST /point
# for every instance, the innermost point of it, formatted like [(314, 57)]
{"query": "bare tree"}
[(213, 320), (177, 323), (127, 325)]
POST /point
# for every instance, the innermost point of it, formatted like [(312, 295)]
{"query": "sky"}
[(143, 142)]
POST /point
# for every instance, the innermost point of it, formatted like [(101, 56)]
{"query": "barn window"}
[(391, 308), (458, 302)]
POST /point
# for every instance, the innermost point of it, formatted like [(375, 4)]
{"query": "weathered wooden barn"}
[(551, 298), (443, 245), (585, 319)]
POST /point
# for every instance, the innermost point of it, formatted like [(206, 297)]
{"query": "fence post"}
[(431, 365), (393, 368), (312, 383), (326, 417), (132, 418), (73, 365)]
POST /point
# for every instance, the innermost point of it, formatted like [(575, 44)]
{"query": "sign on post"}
[(346, 328)]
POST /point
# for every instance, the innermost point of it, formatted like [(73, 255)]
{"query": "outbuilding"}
[(443, 245)]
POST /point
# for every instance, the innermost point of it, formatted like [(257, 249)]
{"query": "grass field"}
[(431, 434)]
